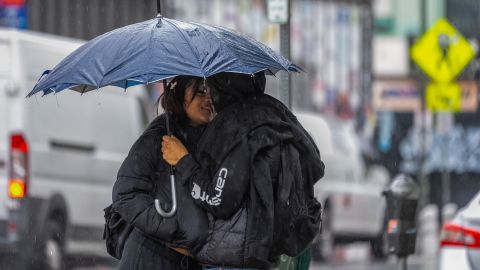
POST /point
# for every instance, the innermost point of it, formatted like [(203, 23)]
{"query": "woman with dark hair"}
[(157, 242)]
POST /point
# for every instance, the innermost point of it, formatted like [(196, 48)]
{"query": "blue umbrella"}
[(155, 50)]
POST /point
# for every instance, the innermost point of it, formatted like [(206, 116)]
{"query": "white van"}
[(353, 205), (59, 154)]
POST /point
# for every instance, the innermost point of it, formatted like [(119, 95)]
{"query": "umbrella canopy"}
[(157, 49)]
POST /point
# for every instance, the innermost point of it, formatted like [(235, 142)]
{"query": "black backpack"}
[(298, 214), (116, 232)]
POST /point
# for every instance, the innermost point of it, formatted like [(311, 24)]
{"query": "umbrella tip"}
[(159, 17)]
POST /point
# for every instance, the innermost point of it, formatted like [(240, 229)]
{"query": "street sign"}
[(443, 97), (278, 11), (403, 96), (396, 95), (442, 52)]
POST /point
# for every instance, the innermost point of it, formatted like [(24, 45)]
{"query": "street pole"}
[(279, 12), (423, 179), (366, 61), (402, 265), (446, 193), (446, 197), (285, 77)]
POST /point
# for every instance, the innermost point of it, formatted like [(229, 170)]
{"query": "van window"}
[(4, 59), (343, 137)]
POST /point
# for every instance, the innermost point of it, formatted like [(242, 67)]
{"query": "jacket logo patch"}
[(198, 194)]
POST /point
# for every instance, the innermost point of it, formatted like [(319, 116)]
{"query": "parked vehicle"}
[(59, 154), (460, 239), (351, 194)]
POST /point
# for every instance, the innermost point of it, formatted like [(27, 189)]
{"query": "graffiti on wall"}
[(456, 150)]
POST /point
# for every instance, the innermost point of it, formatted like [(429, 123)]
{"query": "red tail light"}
[(18, 170), (456, 235)]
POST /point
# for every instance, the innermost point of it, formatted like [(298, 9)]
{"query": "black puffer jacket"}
[(241, 156), (144, 176)]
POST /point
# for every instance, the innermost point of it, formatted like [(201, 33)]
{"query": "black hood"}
[(228, 88)]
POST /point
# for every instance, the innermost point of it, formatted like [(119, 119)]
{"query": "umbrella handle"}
[(159, 209), (172, 211)]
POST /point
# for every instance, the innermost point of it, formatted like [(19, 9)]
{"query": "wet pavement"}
[(351, 257)]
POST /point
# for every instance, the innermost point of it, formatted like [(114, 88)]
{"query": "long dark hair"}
[(173, 98)]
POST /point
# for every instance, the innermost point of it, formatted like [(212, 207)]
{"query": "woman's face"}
[(198, 105)]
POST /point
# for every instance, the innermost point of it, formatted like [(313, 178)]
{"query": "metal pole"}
[(366, 58), (423, 10), (444, 122), (402, 264), (424, 181), (446, 197), (446, 193), (285, 77)]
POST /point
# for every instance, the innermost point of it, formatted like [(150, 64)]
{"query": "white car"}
[(354, 208), (59, 154), (460, 239)]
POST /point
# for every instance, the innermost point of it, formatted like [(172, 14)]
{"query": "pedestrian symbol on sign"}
[(442, 52)]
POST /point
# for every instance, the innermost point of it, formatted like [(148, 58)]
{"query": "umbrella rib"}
[(84, 88), (150, 50), (233, 54), (188, 43), (272, 55)]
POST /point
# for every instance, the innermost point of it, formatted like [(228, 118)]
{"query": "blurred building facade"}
[(86, 19), (452, 140), (331, 40)]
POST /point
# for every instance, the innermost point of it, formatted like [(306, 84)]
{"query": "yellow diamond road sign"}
[(443, 97), (442, 52)]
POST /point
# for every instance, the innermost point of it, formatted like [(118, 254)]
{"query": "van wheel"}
[(52, 250)]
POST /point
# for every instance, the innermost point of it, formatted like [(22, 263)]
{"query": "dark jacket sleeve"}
[(133, 192), (222, 192)]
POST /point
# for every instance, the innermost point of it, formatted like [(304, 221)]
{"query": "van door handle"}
[(71, 146)]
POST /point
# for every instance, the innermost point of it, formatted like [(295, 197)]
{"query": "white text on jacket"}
[(198, 194)]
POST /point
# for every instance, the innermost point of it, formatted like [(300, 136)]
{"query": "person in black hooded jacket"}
[(252, 147), (157, 242)]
